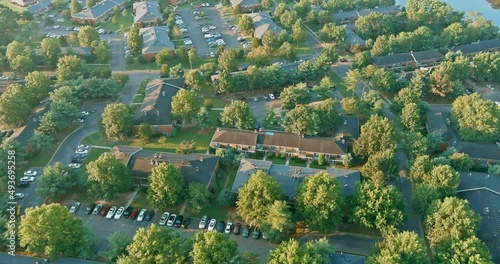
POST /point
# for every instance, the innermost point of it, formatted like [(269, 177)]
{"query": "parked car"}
[(164, 218), (171, 220), (211, 225), (183, 30), (127, 212), (78, 158), (97, 209), (149, 215), (134, 213), (74, 207), (271, 96), (220, 226), (203, 222), (237, 229), (111, 212), (229, 227), (141, 215), (105, 210), (246, 231), (74, 165), (18, 195), (30, 173), (119, 213), (265, 236), (89, 208), (178, 221), (81, 151), (186, 222), (256, 233), (28, 179)]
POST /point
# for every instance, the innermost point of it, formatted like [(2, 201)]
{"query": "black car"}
[(220, 226), (9, 133), (24, 184), (78, 158), (178, 221), (126, 213), (237, 229), (89, 208), (256, 233), (149, 215), (277, 94), (186, 222), (246, 231)]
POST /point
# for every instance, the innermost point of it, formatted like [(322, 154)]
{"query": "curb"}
[(70, 134)]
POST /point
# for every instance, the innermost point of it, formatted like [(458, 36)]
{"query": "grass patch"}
[(138, 99), (140, 200), (214, 115), (276, 160), (303, 48), (122, 20), (297, 162), (93, 154), (141, 66), (202, 139), (340, 86), (98, 139), (135, 107), (142, 87), (315, 165)]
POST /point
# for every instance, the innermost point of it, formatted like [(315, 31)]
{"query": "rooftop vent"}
[(346, 186), (201, 159)]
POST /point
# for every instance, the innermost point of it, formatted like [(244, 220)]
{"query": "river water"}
[(489, 8)]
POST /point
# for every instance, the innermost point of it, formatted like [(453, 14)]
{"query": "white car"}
[(211, 225), (60, 20), (79, 120), (197, 17), (111, 212), (100, 31), (212, 27), (203, 222), (51, 16), (179, 22), (83, 147), (75, 165), (56, 27), (84, 113), (81, 151), (30, 173), (171, 220), (141, 215), (229, 227), (183, 30), (207, 36), (77, 29), (212, 54), (205, 30), (490, 87), (28, 179), (18, 195), (119, 213), (164, 218), (74, 207), (271, 96)]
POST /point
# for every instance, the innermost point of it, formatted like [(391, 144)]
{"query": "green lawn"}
[(315, 165), (142, 87), (122, 20), (98, 139), (202, 139), (297, 162), (138, 98), (134, 108), (93, 154), (276, 160), (12, 6), (340, 86), (303, 48)]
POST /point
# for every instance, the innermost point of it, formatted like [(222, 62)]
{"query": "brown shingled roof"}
[(235, 136)]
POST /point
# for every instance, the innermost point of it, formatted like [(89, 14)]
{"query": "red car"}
[(134, 214), (105, 210)]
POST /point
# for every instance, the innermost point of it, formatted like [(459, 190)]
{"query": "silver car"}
[(203, 222), (141, 215), (119, 213), (111, 212)]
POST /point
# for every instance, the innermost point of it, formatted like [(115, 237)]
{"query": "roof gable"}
[(263, 22), (146, 11), (155, 39), (478, 46)]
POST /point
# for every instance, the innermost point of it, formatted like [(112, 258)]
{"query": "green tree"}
[(475, 125), (156, 244), (381, 167), (444, 178), (117, 121), (101, 51), (411, 117), (271, 120), (299, 34), (15, 106), (185, 105), (255, 197), (287, 52), (38, 85), (197, 196), (163, 140), (415, 144), (225, 83), (239, 115), (186, 147), (51, 49), (176, 71), (87, 35), (22, 65), (327, 113), (420, 167), (371, 141), (258, 57), (135, 42), (75, 7), (317, 251), (57, 179), (51, 230), (203, 118), (226, 198), (40, 141), (301, 121), (166, 186), (379, 206), (145, 132), (404, 247), (469, 250), (294, 95), (423, 196), (270, 41), (227, 61), (164, 70), (194, 79), (332, 33), (249, 257), (450, 219), (69, 67), (434, 141), (278, 222), (245, 24), (460, 161), (319, 202), (213, 247), (107, 176), (119, 242)]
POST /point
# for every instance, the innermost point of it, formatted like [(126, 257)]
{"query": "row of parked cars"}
[(227, 228), (114, 212), (214, 39)]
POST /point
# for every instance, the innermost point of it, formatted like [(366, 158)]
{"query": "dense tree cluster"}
[(291, 251), (20, 57), (419, 39), (117, 121), (107, 176), (238, 115), (404, 247), (166, 186)]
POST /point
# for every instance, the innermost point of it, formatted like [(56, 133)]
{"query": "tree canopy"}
[(371, 140), (166, 185), (185, 105), (213, 247), (404, 247), (107, 176), (57, 179), (117, 120), (239, 115), (290, 252), (301, 121)]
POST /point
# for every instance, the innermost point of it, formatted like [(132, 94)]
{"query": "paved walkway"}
[(132, 197)]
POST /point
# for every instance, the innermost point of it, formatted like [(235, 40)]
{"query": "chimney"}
[(201, 159)]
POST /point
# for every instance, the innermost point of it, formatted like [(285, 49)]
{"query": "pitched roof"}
[(69, 50), (306, 143), (263, 22), (482, 45), (123, 153), (194, 167), (156, 107), (99, 9), (349, 15), (234, 136), (244, 3), (433, 54), (480, 151), (436, 122), (352, 38), (352, 15), (146, 11), (290, 177), (155, 39), (417, 57), (345, 258)]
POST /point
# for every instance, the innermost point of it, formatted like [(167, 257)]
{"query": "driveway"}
[(117, 46)]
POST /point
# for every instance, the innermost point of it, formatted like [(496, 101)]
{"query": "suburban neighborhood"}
[(249, 131)]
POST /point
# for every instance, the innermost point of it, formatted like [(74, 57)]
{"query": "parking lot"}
[(196, 35)]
